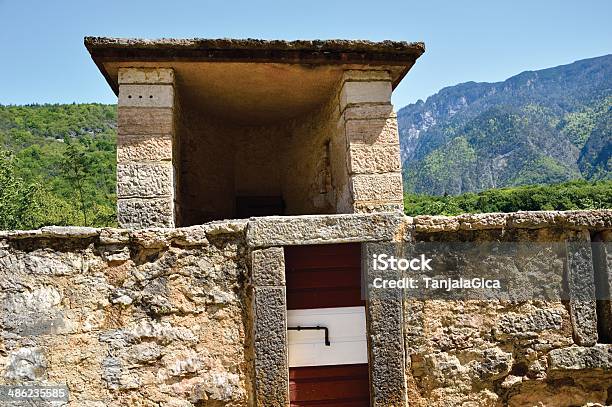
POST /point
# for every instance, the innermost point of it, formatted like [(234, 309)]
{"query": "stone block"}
[(320, 229), (365, 92), (145, 213), (581, 286), (369, 111), (581, 358), (144, 180), (146, 95), (146, 75), (374, 207), (144, 148), (138, 120), (371, 131), (377, 187), (372, 159), (268, 267), (270, 347), (366, 75)]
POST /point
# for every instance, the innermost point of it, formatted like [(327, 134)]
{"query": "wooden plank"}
[(323, 276), (343, 385)]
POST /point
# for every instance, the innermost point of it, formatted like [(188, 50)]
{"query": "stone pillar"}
[(581, 287), (145, 176), (372, 139), (385, 332), (269, 310)]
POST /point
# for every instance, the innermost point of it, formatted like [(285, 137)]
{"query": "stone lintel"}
[(321, 229)]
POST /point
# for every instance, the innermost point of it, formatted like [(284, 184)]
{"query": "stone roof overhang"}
[(397, 56)]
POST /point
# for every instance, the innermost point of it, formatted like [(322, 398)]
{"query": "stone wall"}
[(497, 353), (174, 316), (127, 318)]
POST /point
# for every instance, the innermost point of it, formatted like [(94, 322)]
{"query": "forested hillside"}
[(545, 126), (566, 196), (57, 165)]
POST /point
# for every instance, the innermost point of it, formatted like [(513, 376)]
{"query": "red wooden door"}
[(326, 276), (337, 386)]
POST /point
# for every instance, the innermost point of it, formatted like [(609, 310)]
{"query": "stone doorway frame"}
[(266, 238)]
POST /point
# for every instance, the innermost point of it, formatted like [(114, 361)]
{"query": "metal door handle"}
[(312, 328)]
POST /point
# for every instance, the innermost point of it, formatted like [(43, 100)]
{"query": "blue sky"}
[(42, 57)]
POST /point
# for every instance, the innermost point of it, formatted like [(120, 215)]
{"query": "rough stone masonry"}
[(170, 316)]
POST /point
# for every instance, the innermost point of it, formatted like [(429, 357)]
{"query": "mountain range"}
[(538, 127)]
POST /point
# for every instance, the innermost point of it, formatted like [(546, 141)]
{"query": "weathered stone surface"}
[(26, 364), (146, 95), (144, 180), (571, 220), (144, 148), (361, 51), (366, 75), (162, 326), (268, 267), (581, 286), (270, 347), (580, 358), (529, 325), (377, 187), (377, 207), (320, 229), (385, 338), (146, 75), (435, 223), (139, 213), (369, 111), (594, 220), (365, 92), (371, 131), (366, 159), (141, 120)]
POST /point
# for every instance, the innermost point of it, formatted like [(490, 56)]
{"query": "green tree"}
[(21, 202)]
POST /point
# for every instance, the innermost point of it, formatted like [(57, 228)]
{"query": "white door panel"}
[(347, 335)]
